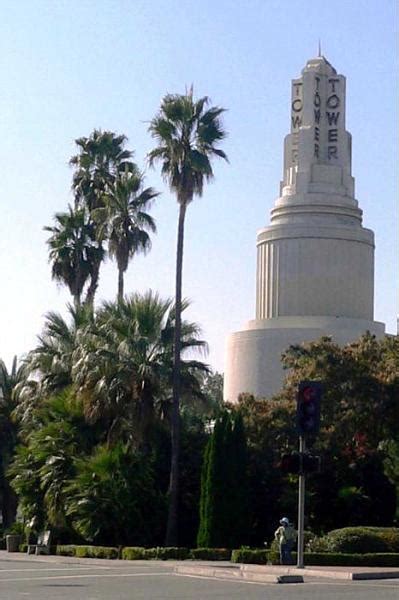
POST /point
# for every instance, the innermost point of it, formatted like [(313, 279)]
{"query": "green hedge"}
[(262, 557), (170, 553), (357, 540), (352, 560), (88, 551), (250, 556), (133, 553), (210, 554)]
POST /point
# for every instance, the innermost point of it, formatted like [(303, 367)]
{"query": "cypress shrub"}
[(224, 511)]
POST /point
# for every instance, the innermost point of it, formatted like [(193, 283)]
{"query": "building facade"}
[(315, 261)]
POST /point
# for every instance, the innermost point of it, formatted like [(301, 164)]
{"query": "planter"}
[(12, 543)]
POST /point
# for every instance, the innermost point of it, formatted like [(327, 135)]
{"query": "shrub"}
[(96, 552), (113, 497), (351, 560), (65, 550), (133, 553), (250, 556), (172, 553), (88, 551), (360, 540), (160, 553), (258, 557), (210, 554)]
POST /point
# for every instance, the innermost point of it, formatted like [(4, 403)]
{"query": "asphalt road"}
[(41, 579)]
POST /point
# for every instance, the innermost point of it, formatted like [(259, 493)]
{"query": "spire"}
[(319, 54)]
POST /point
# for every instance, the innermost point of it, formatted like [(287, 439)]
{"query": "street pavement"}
[(63, 578)]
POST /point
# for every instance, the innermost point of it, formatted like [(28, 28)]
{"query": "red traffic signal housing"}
[(300, 463), (291, 463), (308, 407)]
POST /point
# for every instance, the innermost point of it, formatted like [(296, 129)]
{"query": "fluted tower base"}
[(253, 357)]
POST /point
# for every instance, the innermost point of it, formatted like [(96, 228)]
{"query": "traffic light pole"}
[(301, 507)]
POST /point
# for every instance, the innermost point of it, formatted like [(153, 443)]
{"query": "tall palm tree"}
[(73, 250), (124, 222), (186, 132), (101, 158)]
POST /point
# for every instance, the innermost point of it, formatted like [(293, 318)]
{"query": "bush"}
[(133, 553), (250, 556), (160, 553), (171, 553), (96, 552), (351, 560), (357, 540), (210, 554), (65, 550), (261, 557), (88, 551)]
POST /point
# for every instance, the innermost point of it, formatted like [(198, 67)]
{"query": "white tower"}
[(315, 271)]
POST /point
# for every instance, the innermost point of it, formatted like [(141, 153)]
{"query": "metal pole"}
[(301, 507)]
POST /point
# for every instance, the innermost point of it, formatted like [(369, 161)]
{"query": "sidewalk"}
[(282, 574), (223, 569)]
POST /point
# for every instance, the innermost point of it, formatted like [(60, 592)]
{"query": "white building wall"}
[(315, 263)]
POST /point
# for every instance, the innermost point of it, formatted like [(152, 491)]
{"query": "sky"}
[(70, 66)]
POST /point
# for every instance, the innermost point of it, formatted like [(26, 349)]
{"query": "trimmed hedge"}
[(88, 551), (133, 553), (210, 554), (357, 540), (352, 560), (170, 553), (255, 556), (262, 557)]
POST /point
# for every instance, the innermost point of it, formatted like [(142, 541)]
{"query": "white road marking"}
[(357, 582), (87, 576), (230, 580), (78, 567)]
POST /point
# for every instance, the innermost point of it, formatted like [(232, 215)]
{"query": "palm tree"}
[(47, 368), (73, 250), (124, 222), (186, 132), (102, 157), (8, 436), (123, 365)]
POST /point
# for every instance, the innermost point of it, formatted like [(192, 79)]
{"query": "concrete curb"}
[(345, 573), (238, 573)]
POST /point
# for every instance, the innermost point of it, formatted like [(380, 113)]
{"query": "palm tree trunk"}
[(173, 492), (120, 285), (91, 290)]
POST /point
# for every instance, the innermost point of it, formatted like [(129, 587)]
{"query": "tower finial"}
[(319, 48)]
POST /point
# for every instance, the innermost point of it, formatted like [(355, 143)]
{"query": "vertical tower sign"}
[(315, 261)]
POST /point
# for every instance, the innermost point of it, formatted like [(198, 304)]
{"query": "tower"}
[(315, 261)]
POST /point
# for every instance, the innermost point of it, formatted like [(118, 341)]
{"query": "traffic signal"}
[(311, 463), (308, 407), (291, 463)]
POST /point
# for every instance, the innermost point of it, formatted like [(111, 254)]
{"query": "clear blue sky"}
[(70, 66)]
